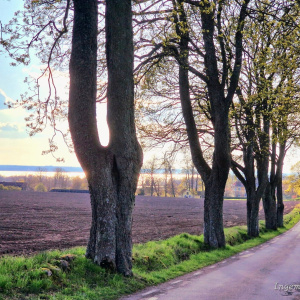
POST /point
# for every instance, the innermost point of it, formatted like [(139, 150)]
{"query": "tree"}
[(279, 86), (60, 178), (167, 163), (267, 103), (112, 171), (79, 183), (151, 167), (192, 40), (40, 187)]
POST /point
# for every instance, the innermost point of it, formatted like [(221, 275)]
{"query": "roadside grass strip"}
[(69, 275)]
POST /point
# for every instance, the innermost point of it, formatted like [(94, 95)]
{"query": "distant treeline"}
[(69, 191), (16, 168)]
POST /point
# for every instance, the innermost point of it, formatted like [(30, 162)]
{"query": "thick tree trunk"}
[(280, 205), (269, 203), (254, 192), (215, 185), (252, 213), (213, 215), (273, 211), (112, 172), (112, 193), (102, 241)]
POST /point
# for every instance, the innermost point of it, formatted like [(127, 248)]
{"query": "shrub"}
[(40, 188), (10, 188)]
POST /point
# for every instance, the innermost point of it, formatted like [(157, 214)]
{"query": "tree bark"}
[(268, 197), (112, 171), (269, 203), (253, 196), (280, 205), (252, 214), (213, 214)]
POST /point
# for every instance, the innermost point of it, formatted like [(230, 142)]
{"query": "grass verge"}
[(69, 275)]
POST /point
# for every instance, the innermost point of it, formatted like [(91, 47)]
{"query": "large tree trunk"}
[(252, 213), (254, 192), (269, 203), (213, 215), (280, 205), (273, 211), (112, 171), (215, 185)]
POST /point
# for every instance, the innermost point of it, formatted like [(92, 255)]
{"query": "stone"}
[(64, 265), (47, 272)]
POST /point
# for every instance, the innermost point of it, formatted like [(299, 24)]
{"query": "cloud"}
[(12, 131), (8, 127), (4, 99)]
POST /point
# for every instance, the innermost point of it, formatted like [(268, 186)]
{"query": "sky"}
[(16, 146)]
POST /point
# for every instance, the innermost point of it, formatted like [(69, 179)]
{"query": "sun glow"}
[(103, 130)]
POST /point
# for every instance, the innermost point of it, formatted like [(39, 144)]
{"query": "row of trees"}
[(168, 176), (239, 97), (42, 182), (221, 76)]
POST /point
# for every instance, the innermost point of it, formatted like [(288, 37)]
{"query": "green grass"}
[(292, 199), (245, 199), (235, 199), (153, 263)]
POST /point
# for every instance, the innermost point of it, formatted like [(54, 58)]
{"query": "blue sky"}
[(16, 147), (11, 81)]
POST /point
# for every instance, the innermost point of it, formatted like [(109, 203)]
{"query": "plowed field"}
[(31, 221)]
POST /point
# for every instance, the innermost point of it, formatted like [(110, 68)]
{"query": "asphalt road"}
[(268, 272)]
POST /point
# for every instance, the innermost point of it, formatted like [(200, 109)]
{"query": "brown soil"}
[(31, 221)]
